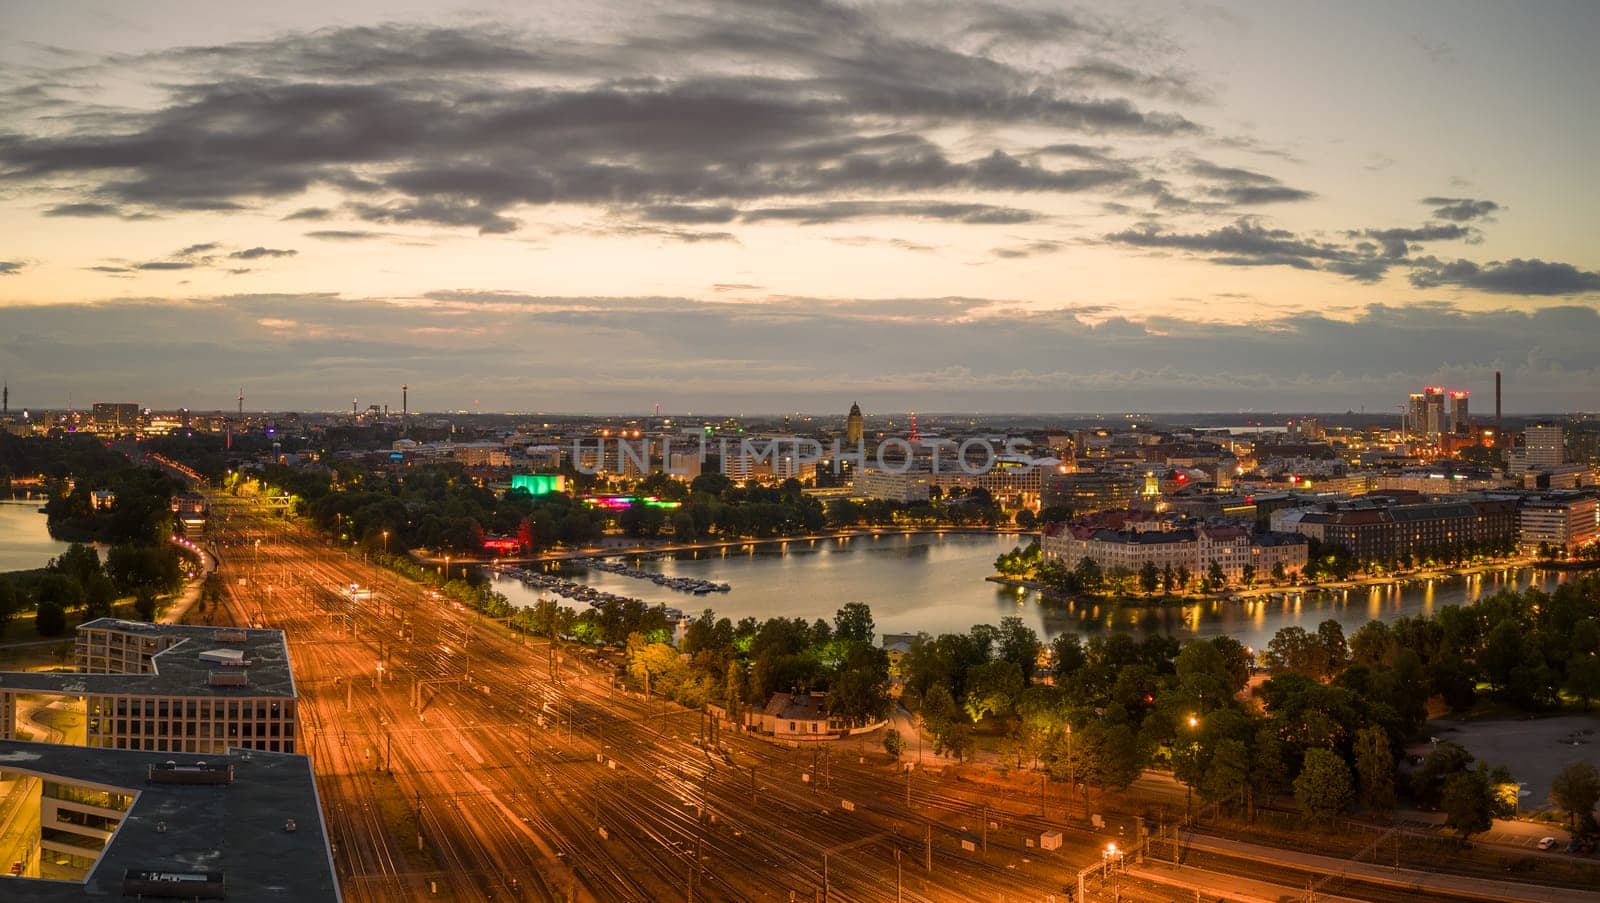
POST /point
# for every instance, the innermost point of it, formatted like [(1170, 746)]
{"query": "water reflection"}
[(936, 583)]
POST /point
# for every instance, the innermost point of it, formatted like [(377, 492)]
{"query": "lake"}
[(25, 542), (935, 583)]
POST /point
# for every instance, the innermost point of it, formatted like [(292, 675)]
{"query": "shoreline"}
[(1241, 594), (673, 548)]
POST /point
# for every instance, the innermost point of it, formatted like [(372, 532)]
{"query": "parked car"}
[(1547, 843)]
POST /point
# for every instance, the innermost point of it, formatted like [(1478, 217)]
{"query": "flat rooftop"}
[(184, 669), (237, 829)]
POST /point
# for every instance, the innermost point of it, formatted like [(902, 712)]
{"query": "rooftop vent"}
[(198, 773), (228, 679), (233, 658), (230, 636), (174, 885)]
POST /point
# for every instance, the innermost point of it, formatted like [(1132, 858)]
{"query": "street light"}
[(1188, 786), (386, 542)]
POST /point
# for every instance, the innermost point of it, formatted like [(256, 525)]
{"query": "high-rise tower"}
[(853, 431)]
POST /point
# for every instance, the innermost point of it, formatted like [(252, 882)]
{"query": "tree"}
[(1375, 769), (1216, 578), (1247, 575), (1278, 573), (1228, 778), (1323, 788), (1468, 802), (1149, 577), (894, 744), (98, 594), (1427, 782), (8, 603), (1575, 790), (1026, 519), (853, 623), (144, 602), (51, 619), (992, 688)]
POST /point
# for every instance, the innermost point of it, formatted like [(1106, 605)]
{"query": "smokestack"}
[(1497, 403), (405, 400)]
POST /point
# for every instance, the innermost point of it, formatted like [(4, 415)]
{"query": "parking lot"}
[(1534, 750)]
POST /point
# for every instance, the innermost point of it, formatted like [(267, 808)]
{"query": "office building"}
[(1559, 521), (241, 825), (1091, 491), (1379, 529), (1544, 445), (908, 488), (173, 688)]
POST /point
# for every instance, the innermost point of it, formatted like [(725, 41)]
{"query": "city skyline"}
[(998, 208)]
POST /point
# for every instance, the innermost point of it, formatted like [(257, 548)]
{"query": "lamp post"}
[(386, 542), (1188, 786), (447, 568)]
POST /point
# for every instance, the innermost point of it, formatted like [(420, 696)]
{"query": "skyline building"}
[(1544, 445), (854, 430)]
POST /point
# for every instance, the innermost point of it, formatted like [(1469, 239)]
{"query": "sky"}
[(752, 207)]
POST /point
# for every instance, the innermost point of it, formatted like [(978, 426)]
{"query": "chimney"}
[(1497, 403)]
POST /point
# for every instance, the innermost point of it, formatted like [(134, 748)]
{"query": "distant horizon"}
[(778, 414)]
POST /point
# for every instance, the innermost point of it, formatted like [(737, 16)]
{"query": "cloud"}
[(1247, 243), (843, 211), (1460, 210), (1244, 186), (1027, 249), (688, 214), (259, 252), (10, 267), (90, 209), (194, 250), (1399, 242), (670, 112), (164, 265), (1512, 277), (756, 353), (345, 235)]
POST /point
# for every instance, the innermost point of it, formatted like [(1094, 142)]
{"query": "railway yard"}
[(458, 760)]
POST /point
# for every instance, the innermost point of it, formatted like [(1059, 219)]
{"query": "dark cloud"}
[(688, 214), (1460, 210), (1511, 277), (164, 265), (1399, 242), (194, 250), (107, 268), (1244, 186), (842, 211), (1248, 243), (10, 267), (259, 252), (310, 213), (1259, 194)]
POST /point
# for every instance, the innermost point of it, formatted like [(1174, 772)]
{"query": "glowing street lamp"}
[(386, 542)]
